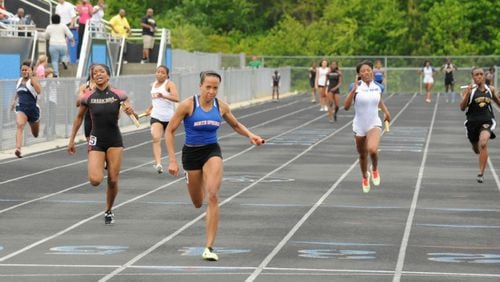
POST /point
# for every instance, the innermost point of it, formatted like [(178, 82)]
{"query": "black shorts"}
[(98, 144), (312, 83), (448, 81), (337, 91), (474, 129), (193, 158), (33, 113), (154, 120)]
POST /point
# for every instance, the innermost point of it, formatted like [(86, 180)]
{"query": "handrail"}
[(33, 50), (36, 6)]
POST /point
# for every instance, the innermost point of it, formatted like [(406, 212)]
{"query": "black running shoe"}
[(480, 178), (109, 217)]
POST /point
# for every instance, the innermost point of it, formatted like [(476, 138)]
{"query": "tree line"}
[(325, 27)]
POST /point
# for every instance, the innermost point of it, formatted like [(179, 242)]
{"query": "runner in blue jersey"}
[(201, 155), (25, 104), (379, 74), (480, 123), (105, 141)]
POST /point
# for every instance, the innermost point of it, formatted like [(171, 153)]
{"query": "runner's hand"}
[(173, 168)]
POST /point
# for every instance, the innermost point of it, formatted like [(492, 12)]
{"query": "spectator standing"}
[(67, 13), (98, 16), (41, 63), (120, 27), (276, 85), (85, 11), (148, 25), (57, 33), (255, 63)]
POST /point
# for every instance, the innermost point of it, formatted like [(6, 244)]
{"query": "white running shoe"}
[(208, 254), (159, 168)]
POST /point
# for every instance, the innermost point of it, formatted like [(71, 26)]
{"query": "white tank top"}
[(163, 109), (428, 72), (322, 72), (366, 104)]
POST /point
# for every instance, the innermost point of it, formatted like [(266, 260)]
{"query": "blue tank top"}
[(378, 75), (26, 94), (201, 127)]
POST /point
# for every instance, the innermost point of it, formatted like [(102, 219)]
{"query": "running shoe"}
[(109, 217), (427, 100), (480, 178), (159, 168), (375, 177), (365, 184), (335, 116), (18, 153), (208, 254)]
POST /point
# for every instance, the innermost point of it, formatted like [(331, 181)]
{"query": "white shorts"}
[(428, 80), (361, 130)]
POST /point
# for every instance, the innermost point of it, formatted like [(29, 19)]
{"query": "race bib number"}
[(92, 140)]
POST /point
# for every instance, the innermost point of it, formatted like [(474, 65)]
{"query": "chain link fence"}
[(58, 99)]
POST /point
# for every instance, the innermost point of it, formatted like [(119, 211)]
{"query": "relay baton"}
[(386, 126), (133, 118), (465, 86)]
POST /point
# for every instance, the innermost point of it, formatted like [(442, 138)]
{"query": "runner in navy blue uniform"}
[(201, 155), (312, 81), (105, 141), (25, 104), (333, 96), (480, 122)]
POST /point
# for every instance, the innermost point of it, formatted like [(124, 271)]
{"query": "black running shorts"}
[(193, 158)]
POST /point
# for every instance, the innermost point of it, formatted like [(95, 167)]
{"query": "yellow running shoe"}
[(209, 254), (375, 177), (365, 183)]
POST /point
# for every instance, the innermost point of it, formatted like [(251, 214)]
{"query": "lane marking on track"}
[(146, 194), (409, 222), (296, 227)]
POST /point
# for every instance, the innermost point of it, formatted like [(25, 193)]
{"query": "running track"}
[(292, 210)]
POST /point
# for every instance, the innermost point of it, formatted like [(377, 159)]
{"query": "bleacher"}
[(24, 42)]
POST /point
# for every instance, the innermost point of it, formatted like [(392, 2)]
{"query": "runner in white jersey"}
[(367, 126), (428, 72), (320, 84), (163, 95)]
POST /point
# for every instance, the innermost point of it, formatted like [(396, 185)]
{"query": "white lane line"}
[(276, 270), (141, 131), (192, 222), (132, 168), (142, 144), (494, 173), (413, 207), (139, 197), (189, 224), (288, 236)]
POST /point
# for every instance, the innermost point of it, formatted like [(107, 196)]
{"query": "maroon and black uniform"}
[(104, 109)]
